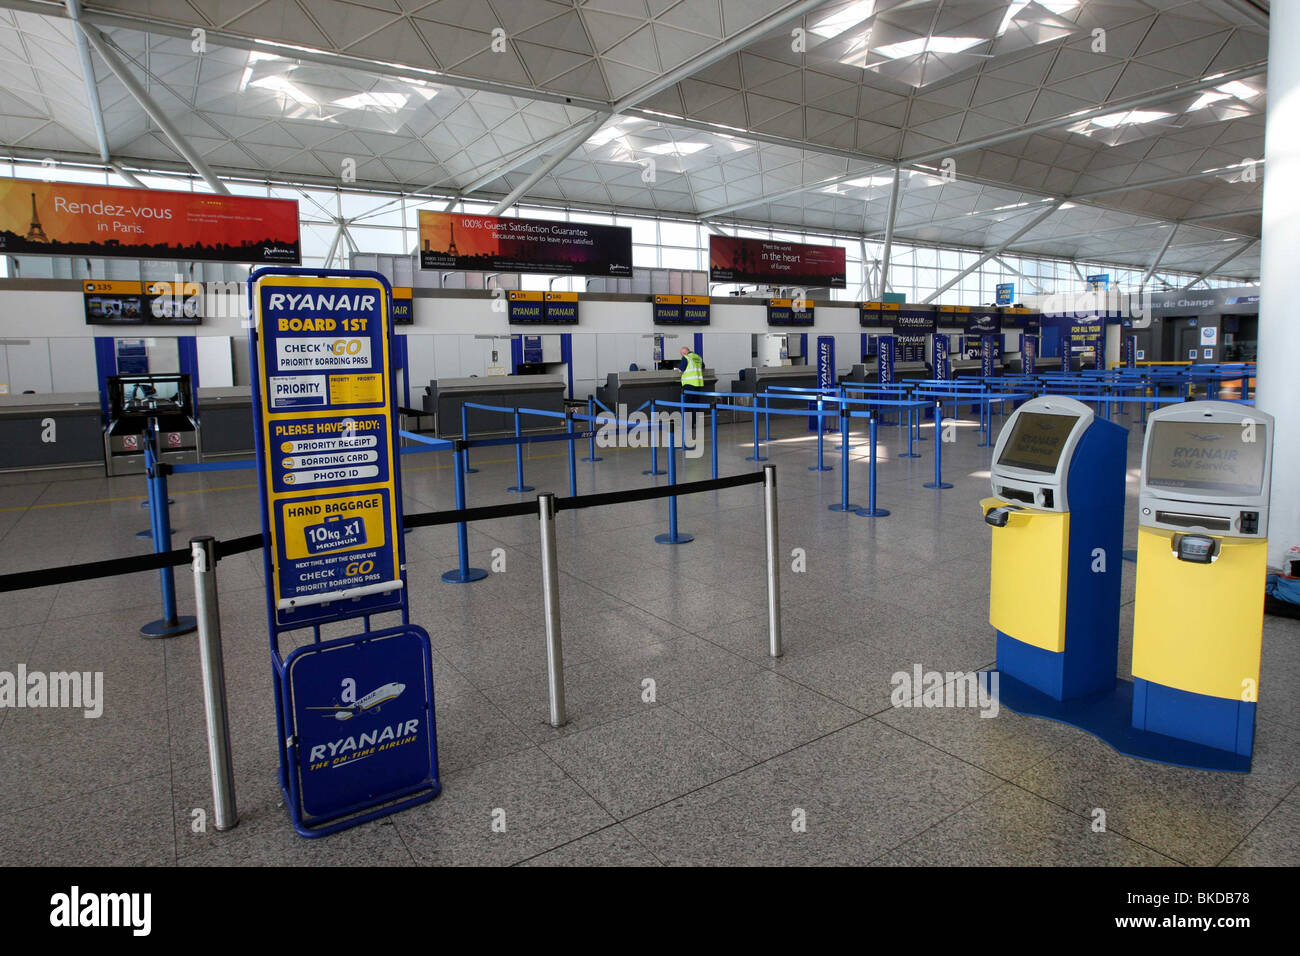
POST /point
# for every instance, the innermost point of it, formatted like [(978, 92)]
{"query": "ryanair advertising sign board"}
[(326, 444)]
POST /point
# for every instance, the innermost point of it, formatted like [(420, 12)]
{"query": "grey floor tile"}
[(612, 846), (1275, 841), (640, 761)]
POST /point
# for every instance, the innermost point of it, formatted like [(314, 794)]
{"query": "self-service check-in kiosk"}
[(1058, 521), (1201, 559)]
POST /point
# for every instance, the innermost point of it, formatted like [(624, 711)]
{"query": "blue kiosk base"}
[(1108, 716)]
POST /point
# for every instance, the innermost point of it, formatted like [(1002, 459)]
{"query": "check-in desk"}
[(51, 431), (914, 371), (226, 421), (753, 380), (444, 397), (965, 368), (634, 389), (862, 374)]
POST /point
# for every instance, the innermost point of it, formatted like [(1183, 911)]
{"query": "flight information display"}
[(1222, 457), (1036, 441)]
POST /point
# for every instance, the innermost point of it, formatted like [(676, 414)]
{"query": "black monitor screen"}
[(1225, 457), (1036, 441)]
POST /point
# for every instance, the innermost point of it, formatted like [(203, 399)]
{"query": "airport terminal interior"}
[(649, 433)]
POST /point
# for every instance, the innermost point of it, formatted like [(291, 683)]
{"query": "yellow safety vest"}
[(693, 374)]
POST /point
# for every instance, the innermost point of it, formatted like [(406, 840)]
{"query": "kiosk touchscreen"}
[(1057, 514), (1201, 564)]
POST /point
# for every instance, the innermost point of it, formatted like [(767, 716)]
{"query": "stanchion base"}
[(522, 490), (920, 438), (821, 468), (878, 513), (985, 444), (455, 577), (160, 628), (844, 508), (755, 458), (678, 538), (651, 471), (910, 454), (471, 471), (146, 533), (592, 459), (932, 484)]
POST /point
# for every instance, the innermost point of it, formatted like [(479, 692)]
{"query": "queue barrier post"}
[(844, 464), (551, 608), (771, 529), (910, 453), (463, 573), (655, 433), (170, 624), (673, 536), (519, 460), (938, 482), (821, 464), (464, 436), (203, 554), (871, 511), (713, 441), (573, 463), (756, 456), (591, 415)]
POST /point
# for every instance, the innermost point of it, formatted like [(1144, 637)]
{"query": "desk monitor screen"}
[(149, 396), (1036, 441), (1207, 457)]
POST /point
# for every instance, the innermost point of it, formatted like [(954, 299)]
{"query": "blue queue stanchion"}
[(821, 464), (938, 482), (463, 573), (464, 436), (573, 464), (170, 624), (656, 432), (673, 536), (713, 440), (844, 465), (767, 416), (756, 456), (871, 511), (591, 415), (910, 453), (519, 461)]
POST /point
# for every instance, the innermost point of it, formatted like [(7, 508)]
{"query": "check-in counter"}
[(911, 370), (965, 368), (51, 431), (862, 374), (753, 380), (226, 421), (634, 389), (444, 397)]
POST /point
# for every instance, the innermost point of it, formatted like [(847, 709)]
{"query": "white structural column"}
[(1279, 327)]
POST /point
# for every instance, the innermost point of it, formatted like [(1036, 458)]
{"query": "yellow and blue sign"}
[(355, 715)]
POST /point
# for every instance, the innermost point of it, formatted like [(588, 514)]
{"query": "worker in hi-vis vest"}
[(692, 370)]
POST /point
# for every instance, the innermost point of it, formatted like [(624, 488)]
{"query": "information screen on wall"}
[(681, 310), (733, 259), (116, 302), (783, 312), (75, 219), (493, 244), (403, 306)]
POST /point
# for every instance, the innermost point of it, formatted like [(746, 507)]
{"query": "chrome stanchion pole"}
[(204, 562), (551, 608), (773, 562)]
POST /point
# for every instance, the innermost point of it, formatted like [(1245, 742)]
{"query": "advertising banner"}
[(1006, 293), (913, 320), (825, 361), (469, 243), (733, 259), (76, 219), (939, 358), (1028, 352), (885, 351), (326, 443), (983, 322)]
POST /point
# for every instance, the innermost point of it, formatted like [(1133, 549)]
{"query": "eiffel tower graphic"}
[(34, 232), (451, 239)]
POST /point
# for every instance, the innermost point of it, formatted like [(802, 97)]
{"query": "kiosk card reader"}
[(1058, 521), (1201, 560)]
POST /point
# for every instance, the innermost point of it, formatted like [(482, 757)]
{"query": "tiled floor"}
[(737, 758)]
